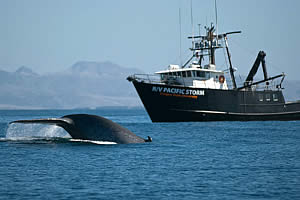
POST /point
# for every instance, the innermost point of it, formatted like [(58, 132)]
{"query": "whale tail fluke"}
[(49, 121)]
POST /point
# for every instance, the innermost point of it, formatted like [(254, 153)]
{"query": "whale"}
[(91, 127)]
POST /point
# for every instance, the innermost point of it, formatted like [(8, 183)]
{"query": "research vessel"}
[(198, 91)]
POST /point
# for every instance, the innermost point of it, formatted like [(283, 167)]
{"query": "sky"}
[(51, 35)]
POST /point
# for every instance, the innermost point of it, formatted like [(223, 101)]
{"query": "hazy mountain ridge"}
[(85, 84), (292, 90)]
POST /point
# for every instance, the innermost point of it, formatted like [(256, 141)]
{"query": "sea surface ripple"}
[(199, 160)]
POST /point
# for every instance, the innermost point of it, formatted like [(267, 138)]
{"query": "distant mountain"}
[(292, 90), (83, 85), (25, 71)]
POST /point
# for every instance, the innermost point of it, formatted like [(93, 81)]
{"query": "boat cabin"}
[(194, 76)]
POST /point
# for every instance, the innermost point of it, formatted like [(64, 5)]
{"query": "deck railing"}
[(179, 81), (147, 78), (156, 79)]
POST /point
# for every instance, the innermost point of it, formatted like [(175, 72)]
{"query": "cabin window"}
[(275, 97), (207, 75), (189, 74), (268, 97), (179, 74), (201, 74), (184, 73), (260, 97), (173, 73), (194, 74)]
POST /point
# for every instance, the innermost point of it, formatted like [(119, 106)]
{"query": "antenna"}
[(216, 12), (180, 57), (192, 22)]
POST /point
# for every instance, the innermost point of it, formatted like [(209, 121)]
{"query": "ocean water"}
[(199, 160)]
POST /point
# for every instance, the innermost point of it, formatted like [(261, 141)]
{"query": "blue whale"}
[(91, 127)]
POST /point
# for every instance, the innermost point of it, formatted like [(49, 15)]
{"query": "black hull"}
[(165, 103)]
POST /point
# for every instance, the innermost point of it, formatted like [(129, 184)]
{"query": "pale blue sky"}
[(51, 35)]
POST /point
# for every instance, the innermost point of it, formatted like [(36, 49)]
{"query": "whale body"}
[(91, 127)]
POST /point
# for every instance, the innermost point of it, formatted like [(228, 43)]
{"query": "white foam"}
[(24, 132), (30, 131), (93, 141)]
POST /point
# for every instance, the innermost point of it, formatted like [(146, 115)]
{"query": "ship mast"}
[(231, 70), (206, 46), (210, 36)]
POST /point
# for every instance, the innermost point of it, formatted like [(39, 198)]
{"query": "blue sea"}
[(198, 160)]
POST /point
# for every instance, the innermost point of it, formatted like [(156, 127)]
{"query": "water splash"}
[(31, 131), (42, 133)]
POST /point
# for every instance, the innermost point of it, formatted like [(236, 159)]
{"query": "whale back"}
[(93, 127)]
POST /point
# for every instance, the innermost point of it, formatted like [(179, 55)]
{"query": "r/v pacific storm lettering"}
[(178, 91)]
